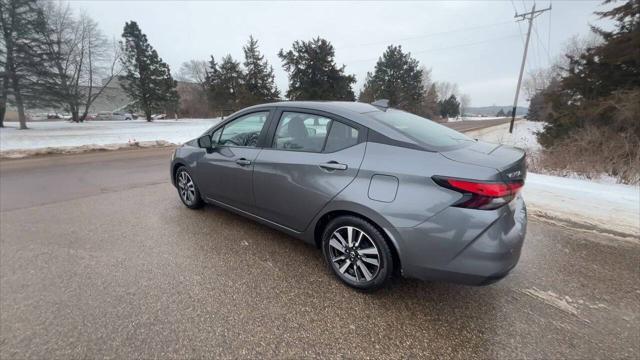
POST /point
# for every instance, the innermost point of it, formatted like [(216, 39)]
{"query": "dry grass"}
[(590, 152)]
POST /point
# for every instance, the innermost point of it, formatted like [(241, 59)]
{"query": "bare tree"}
[(446, 89), (539, 79), (25, 62), (194, 71), (465, 101), (103, 66), (4, 90), (78, 51)]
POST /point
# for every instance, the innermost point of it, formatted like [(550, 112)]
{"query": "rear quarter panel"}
[(417, 198)]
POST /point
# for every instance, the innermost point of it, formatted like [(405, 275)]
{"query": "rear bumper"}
[(465, 246)]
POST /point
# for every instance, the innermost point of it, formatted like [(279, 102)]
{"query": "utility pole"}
[(525, 16)]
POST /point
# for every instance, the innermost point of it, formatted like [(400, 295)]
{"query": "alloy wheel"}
[(186, 188), (354, 254)]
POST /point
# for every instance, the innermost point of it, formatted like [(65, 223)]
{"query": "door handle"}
[(243, 162), (333, 165)]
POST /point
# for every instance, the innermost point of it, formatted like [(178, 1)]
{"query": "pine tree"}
[(27, 74), (536, 105), (212, 84), (313, 73), (600, 85), (502, 114), (147, 78), (450, 107), (231, 87), (259, 79), (398, 78)]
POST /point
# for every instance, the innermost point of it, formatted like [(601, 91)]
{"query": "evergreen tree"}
[(147, 78), (398, 78), (367, 93), (502, 114), (313, 73), (212, 84), (449, 107), (26, 66), (259, 77), (536, 106), (601, 85), (231, 87)]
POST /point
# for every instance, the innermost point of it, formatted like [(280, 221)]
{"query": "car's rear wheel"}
[(187, 189), (357, 253)]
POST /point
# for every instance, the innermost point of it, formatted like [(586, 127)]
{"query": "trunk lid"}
[(509, 161)]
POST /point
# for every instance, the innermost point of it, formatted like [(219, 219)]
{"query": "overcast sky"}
[(476, 44)]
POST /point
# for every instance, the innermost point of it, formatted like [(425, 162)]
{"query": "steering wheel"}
[(231, 141)]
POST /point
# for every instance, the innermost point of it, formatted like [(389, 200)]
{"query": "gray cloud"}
[(476, 44)]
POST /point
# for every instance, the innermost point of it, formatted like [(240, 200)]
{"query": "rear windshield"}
[(420, 129)]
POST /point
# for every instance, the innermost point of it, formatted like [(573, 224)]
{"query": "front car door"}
[(312, 157), (225, 172)]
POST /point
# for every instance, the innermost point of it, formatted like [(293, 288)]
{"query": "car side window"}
[(340, 137), (243, 131), (301, 132)]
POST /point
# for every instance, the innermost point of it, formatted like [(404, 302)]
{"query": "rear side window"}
[(301, 132), (340, 137), (420, 129)]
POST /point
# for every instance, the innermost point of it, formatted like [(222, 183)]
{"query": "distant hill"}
[(493, 110)]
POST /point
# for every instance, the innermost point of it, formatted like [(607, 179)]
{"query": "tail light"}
[(483, 195)]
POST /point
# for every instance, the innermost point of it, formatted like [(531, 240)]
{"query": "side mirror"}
[(204, 141)]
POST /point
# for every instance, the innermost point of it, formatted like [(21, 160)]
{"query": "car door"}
[(312, 157), (225, 172)]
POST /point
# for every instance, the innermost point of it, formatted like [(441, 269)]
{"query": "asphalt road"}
[(98, 258), (470, 125)]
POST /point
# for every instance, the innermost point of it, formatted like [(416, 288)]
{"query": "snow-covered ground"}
[(52, 134), (600, 205), (614, 208), (523, 136), (480, 118)]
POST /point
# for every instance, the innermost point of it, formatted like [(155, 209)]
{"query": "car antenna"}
[(382, 104)]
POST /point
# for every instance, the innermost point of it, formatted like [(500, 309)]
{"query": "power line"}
[(541, 44), (442, 48), (427, 35), (549, 33), (514, 7)]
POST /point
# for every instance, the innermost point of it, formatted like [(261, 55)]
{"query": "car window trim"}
[(277, 116), (277, 123)]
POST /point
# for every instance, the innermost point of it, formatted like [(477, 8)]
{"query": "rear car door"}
[(225, 172), (312, 157)]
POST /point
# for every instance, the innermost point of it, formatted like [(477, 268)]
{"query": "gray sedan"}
[(379, 190)]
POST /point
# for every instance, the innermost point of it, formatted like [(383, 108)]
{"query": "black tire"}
[(190, 197), (352, 273)]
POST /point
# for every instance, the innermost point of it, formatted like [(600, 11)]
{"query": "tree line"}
[(590, 98), (52, 57), (313, 74)]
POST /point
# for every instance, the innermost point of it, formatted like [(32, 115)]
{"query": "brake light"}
[(482, 195)]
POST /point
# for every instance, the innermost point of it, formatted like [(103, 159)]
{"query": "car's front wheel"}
[(187, 189), (357, 253)]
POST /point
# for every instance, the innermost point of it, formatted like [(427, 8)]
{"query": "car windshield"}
[(420, 129)]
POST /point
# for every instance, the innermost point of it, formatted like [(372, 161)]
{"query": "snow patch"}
[(523, 136), (563, 303), (614, 208), (66, 150), (481, 118), (58, 134)]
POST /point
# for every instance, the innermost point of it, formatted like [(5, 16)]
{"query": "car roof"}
[(354, 111)]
